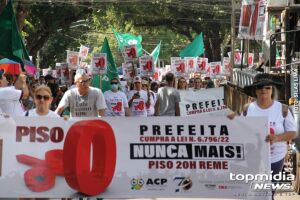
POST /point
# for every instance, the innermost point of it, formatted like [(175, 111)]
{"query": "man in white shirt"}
[(11, 96), (83, 100)]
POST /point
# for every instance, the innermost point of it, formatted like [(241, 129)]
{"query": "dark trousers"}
[(276, 168)]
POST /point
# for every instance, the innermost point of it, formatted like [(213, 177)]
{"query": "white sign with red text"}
[(130, 52), (166, 157), (178, 66), (83, 52), (191, 63), (226, 66), (202, 64), (73, 59), (215, 68), (147, 65), (99, 63)]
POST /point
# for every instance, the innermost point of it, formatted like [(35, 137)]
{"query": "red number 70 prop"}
[(73, 162)]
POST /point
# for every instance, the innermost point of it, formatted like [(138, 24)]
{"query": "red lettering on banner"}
[(40, 134), (76, 156)]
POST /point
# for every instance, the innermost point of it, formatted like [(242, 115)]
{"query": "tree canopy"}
[(53, 27)]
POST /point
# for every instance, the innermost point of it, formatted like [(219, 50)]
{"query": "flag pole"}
[(146, 51), (100, 79)]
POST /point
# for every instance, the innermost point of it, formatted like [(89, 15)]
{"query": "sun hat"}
[(261, 79)]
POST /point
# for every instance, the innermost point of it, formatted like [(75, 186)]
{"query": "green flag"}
[(194, 49), (155, 52), (112, 71), (12, 45), (129, 39)]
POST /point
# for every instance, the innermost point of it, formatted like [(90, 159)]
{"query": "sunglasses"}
[(114, 83), (263, 87), (45, 97), (82, 82)]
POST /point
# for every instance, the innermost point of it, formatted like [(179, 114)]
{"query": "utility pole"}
[(232, 37)]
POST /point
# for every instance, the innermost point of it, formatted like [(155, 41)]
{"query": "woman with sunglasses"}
[(42, 100), (282, 126)]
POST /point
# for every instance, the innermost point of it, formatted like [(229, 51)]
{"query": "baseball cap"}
[(137, 79)]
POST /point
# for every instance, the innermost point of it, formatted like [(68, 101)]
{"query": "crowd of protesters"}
[(139, 97)]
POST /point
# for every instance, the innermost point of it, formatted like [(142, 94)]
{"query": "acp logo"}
[(183, 183), (137, 183), (156, 181)]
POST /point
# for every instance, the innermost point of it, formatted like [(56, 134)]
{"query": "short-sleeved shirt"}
[(150, 109), (33, 113), (116, 102), (83, 105), (138, 106), (10, 101), (277, 125), (167, 98)]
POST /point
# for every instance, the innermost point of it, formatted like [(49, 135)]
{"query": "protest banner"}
[(99, 64), (129, 69), (62, 72), (250, 60), (226, 66), (46, 72), (83, 52), (191, 63), (72, 59), (252, 20), (215, 69), (178, 66), (173, 157), (129, 52), (146, 64), (202, 102), (201, 65)]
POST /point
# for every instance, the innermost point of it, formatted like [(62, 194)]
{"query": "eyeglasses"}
[(40, 97), (263, 87), (87, 81)]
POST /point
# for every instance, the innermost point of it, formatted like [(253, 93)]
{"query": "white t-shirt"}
[(150, 109), (138, 106), (10, 101), (116, 102), (167, 98), (33, 113), (277, 125), (83, 106)]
